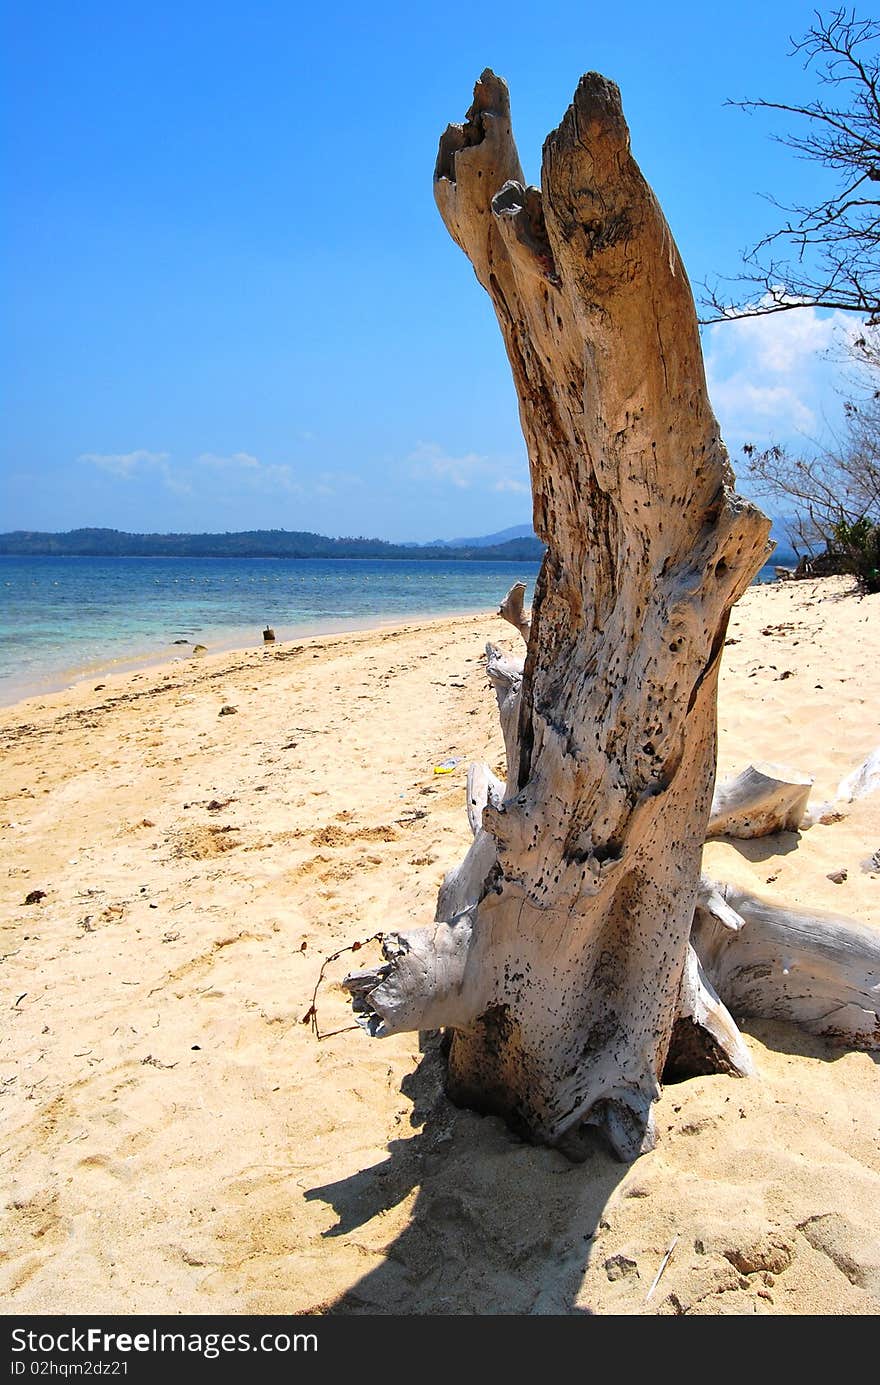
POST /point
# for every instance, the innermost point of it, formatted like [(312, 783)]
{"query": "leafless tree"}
[(560, 963), (832, 497)]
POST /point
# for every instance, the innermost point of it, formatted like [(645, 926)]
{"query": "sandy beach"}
[(205, 834)]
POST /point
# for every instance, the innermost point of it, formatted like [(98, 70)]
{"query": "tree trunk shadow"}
[(498, 1226)]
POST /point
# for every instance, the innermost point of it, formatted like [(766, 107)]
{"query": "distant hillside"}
[(255, 543), (519, 531)]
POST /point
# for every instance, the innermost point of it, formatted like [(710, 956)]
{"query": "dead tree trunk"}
[(560, 958)]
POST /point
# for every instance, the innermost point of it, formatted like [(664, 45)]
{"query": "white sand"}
[(175, 1139)]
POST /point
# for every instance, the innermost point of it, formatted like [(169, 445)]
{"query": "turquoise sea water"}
[(67, 618)]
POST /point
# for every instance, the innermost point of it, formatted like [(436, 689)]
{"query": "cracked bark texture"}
[(559, 960)]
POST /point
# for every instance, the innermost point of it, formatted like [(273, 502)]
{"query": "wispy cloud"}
[(509, 483), (124, 464), (471, 471), (245, 467), (330, 483), (773, 376), (234, 461), (127, 466), (239, 469), (745, 407)]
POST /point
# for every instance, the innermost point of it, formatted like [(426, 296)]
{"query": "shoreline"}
[(60, 676), (234, 641)]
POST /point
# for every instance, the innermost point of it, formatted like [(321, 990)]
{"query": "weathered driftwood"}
[(558, 960), (818, 971), (482, 788), (506, 676), (705, 1038), (562, 962), (863, 781), (511, 609), (762, 799)]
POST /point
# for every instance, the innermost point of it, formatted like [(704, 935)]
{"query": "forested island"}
[(253, 543)]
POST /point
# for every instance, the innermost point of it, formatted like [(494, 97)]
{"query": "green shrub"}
[(858, 546)]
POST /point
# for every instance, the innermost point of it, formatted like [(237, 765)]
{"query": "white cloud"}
[(470, 471), (127, 465), (742, 405), (774, 377), (234, 461), (240, 470), (245, 467), (124, 464), (510, 484), (330, 483), (780, 342), (178, 485)]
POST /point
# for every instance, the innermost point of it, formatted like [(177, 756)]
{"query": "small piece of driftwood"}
[(511, 609), (763, 799)]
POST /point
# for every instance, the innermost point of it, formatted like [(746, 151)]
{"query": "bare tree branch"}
[(833, 496), (834, 259)]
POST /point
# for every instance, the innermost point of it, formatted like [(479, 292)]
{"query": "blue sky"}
[(230, 300)]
